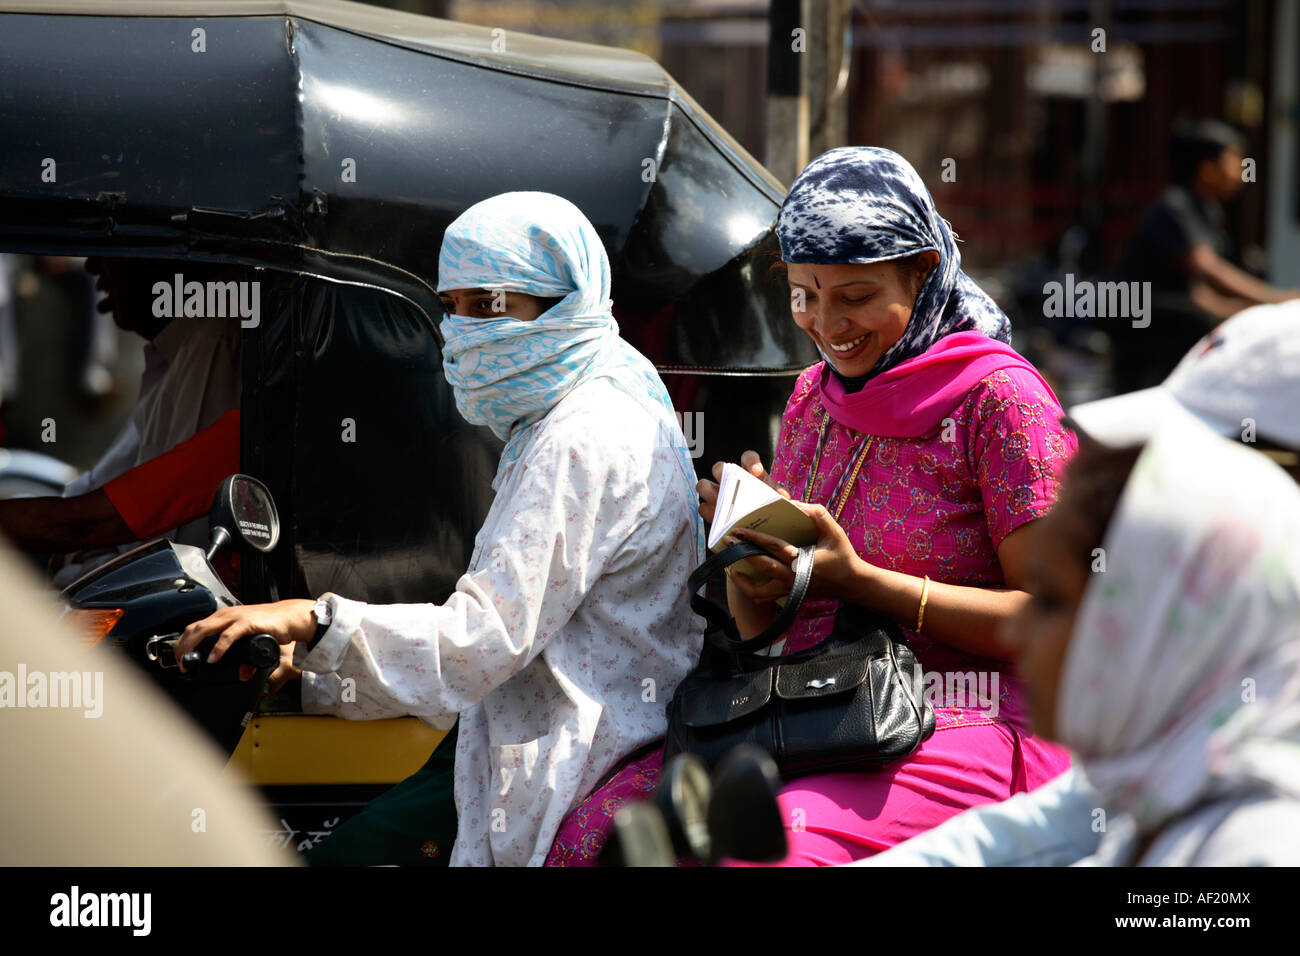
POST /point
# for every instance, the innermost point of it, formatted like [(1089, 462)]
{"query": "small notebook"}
[(748, 502)]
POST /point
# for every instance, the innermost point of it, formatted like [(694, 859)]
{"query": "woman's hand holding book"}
[(838, 571)]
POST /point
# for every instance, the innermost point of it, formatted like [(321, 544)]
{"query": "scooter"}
[(313, 772)]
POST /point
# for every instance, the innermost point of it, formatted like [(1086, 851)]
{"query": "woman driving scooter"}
[(573, 602)]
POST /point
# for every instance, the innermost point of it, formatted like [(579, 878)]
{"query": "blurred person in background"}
[(1183, 249)]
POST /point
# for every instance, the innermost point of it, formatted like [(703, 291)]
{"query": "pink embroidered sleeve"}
[(780, 467), (1018, 447)]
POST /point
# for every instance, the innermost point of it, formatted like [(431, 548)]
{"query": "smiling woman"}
[(937, 445), (855, 312)]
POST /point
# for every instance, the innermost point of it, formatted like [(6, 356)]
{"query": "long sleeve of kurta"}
[(541, 548)]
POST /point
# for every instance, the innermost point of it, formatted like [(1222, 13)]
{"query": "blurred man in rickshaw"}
[(571, 627), (159, 474)]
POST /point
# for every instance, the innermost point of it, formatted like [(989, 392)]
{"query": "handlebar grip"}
[(258, 650), (263, 651)]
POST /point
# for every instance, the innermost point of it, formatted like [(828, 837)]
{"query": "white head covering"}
[(1182, 679), (1245, 371)]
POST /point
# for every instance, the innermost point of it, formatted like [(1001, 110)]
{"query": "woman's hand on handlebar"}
[(286, 671), (708, 490), (286, 621)]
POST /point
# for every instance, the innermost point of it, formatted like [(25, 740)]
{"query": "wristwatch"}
[(324, 613)]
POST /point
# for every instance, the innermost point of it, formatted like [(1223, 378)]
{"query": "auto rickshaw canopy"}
[(340, 139), (326, 146)]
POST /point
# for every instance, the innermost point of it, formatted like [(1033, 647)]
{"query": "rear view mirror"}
[(243, 508), (744, 818), (733, 815)]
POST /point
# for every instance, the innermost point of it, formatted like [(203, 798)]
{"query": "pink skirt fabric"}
[(583, 833), (841, 817)]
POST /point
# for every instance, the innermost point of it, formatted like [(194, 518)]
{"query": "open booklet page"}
[(748, 502)]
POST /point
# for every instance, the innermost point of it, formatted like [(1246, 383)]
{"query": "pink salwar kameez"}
[(936, 505)]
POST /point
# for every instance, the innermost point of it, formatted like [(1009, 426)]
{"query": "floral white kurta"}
[(562, 642)]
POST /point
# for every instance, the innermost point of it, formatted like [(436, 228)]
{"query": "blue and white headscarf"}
[(856, 205), (508, 373)]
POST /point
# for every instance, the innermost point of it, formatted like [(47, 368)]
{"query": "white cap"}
[(1247, 371)]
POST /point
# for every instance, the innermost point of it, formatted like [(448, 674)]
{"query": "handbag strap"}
[(721, 623), (713, 565)]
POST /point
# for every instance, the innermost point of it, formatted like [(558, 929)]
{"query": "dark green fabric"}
[(413, 824)]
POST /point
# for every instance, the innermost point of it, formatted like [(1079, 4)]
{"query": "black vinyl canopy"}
[(340, 139), (324, 147)]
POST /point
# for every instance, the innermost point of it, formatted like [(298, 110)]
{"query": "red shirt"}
[(177, 486)]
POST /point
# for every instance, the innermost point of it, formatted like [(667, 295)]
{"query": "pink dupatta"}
[(912, 398)]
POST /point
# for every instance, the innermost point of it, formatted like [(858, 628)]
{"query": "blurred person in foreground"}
[(1182, 248), (122, 778), (1174, 676), (1243, 381)]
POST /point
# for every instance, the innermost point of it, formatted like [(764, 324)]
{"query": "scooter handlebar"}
[(257, 650)]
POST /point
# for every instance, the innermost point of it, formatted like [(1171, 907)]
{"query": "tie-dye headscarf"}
[(508, 373), (862, 204), (1181, 682)]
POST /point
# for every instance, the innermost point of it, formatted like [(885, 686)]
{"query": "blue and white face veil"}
[(507, 372)]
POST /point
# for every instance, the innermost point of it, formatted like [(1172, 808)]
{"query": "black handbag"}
[(853, 702)]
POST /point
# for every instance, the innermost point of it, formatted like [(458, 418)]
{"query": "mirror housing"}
[(744, 819), (243, 508)]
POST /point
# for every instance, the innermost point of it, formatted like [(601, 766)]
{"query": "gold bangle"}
[(925, 596)]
